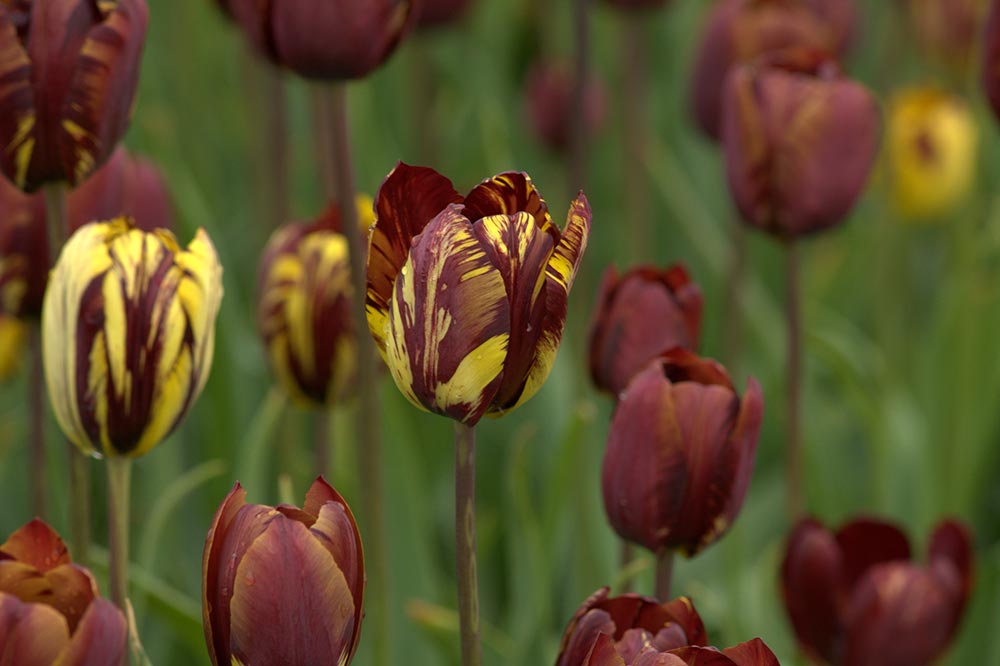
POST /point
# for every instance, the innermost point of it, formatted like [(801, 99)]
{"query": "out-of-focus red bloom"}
[(70, 69), (283, 585), (549, 104), (325, 39), (799, 141), (841, 18), (637, 4), (738, 31), (855, 598), (640, 315), (128, 185), (50, 611), (24, 252), (948, 29), (639, 631), (991, 58), (434, 13), (680, 453)]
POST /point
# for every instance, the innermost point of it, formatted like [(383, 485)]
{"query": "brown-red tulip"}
[(70, 69), (841, 19), (283, 585), (638, 316), (799, 141), (680, 454), (434, 13), (129, 185), (24, 252), (948, 30), (991, 57), (548, 100), (631, 630), (637, 5), (855, 598)]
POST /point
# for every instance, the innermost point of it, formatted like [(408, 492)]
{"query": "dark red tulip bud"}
[(24, 252), (638, 316), (799, 141), (283, 585), (549, 104), (680, 453), (737, 32), (127, 186), (639, 631), (991, 57), (325, 39), (855, 598), (70, 69), (434, 13)]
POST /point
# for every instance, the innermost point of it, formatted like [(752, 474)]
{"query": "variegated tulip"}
[(70, 69), (24, 252), (467, 296), (13, 336), (50, 610), (283, 585), (128, 332)]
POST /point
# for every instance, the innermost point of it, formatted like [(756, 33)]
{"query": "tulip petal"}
[(866, 542), (37, 544), (101, 639), (30, 634), (214, 596), (337, 530), (17, 98), (951, 546), (68, 588), (702, 656), (581, 635), (751, 653), (449, 322), (291, 604), (24, 252), (408, 200), (508, 194), (603, 653)]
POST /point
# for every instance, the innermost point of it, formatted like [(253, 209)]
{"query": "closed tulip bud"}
[(799, 142), (467, 297), (50, 611), (855, 598), (325, 39), (549, 104), (680, 454), (24, 252), (128, 185), (283, 585), (128, 332), (304, 308), (931, 152), (13, 335), (434, 13), (70, 69), (737, 32), (639, 631), (638, 316)]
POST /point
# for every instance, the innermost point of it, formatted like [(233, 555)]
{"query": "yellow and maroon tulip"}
[(549, 104), (50, 610), (13, 337), (640, 315), (680, 454), (325, 39), (631, 630), (467, 296), (855, 598), (799, 141), (128, 333), (24, 252), (70, 69), (283, 585), (434, 13)]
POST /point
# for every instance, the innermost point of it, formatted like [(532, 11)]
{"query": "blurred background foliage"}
[(902, 324)]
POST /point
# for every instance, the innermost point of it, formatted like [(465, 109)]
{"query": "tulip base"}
[(465, 543), (119, 481), (664, 574)]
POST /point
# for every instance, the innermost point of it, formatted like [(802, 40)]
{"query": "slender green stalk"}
[(36, 400), (465, 544), (322, 433), (627, 555), (793, 383), (664, 574), (119, 480), (581, 77)]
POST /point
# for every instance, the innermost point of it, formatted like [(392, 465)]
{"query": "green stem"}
[(664, 574), (36, 399), (794, 460), (465, 543), (627, 555), (322, 433), (119, 479)]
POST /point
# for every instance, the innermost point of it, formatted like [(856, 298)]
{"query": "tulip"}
[(50, 611), (737, 32), (467, 296), (799, 142), (855, 598), (931, 152), (13, 335), (948, 29), (631, 630), (282, 584), (434, 13), (841, 18), (549, 104), (70, 69), (991, 57), (325, 39), (638, 316), (24, 252)]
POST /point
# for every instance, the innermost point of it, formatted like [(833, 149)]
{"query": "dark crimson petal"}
[(571, 629), (682, 611), (650, 658), (30, 634), (865, 542), (18, 115), (24, 251), (581, 636), (633, 643), (990, 64), (214, 562), (337, 531), (127, 185), (952, 546), (37, 544), (101, 639), (507, 194), (603, 653), (752, 653), (683, 365), (702, 656)]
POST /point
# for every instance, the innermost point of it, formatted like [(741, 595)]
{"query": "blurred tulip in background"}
[(548, 101), (948, 30), (24, 252), (13, 336), (434, 13)]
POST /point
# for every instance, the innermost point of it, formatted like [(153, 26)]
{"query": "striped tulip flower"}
[(467, 296), (128, 332), (24, 252), (50, 611), (13, 343), (283, 585), (70, 69)]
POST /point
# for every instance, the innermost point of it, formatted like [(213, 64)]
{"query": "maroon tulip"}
[(799, 141), (50, 611), (70, 69), (841, 18), (549, 104), (680, 454), (325, 39), (855, 598), (991, 58), (638, 316), (283, 585), (639, 631), (637, 5), (24, 252), (128, 185), (434, 13)]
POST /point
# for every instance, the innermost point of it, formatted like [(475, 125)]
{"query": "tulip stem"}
[(735, 275), (465, 543), (794, 381), (323, 430), (664, 574), (119, 479), (36, 397), (368, 442), (627, 555), (581, 77), (635, 189)]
